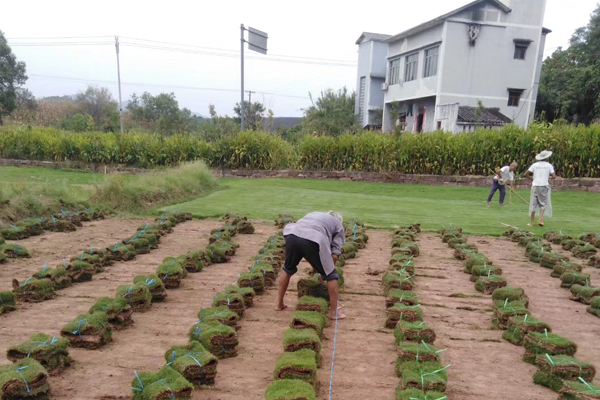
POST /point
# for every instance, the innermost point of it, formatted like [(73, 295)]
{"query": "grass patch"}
[(300, 365), (164, 384), (290, 389), (381, 203)]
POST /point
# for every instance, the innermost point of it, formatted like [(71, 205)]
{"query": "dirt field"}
[(482, 364)]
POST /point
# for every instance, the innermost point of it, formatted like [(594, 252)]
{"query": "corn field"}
[(576, 150)]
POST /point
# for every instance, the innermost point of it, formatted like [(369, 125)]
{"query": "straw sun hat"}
[(543, 155)]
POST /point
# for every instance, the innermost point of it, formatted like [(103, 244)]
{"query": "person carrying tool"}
[(318, 238), (504, 176), (540, 174)]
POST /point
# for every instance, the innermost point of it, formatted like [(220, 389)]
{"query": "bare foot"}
[(529, 224), (540, 223), (281, 308), (340, 306), (339, 316)]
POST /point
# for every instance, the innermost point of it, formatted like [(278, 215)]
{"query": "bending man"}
[(541, 194), (504, 176), (318, 238)]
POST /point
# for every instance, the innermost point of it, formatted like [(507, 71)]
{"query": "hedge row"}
[(577, 150)]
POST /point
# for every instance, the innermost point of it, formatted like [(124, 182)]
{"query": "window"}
[(521, 46), (361, 101), (514, 97), (431, 61), (412, 63), (395, 71)]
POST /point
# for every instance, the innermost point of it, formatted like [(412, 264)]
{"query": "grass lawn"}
[(387, 204)]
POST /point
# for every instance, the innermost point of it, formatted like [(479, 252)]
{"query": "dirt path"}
[(482, 364), (107, 373), (52, 247), (365, 353), (548, 301)]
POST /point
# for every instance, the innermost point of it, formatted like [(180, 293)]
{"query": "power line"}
[(59, 37), (159, 85)]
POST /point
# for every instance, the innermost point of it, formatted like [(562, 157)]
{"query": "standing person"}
[(318, 238), (504, 176), (540, 174)]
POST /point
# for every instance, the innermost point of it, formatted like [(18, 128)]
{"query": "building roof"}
[(375, 37), (440, 20), (487, 116)]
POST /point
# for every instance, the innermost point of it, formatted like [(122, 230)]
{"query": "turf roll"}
[(584, 294), (594, 307), (267, 271), (401, 312), (171, 272), (155, 285), (308, 320), (570, 244), (475, 259), (50, 351), (234, 301), (518, 327), (536, 255), (247, 294), (220, 314), (196, 364), (308, 303), (537, 343), (122, 252), (463, 250), (254, 280), (59, 276), (417, 351), (90, 331), (300, 365), (484, 270), (564, 266), (27, 379), (537, 245), (137, 296), (399, 296), (80, 271), (117, 310), (312, 287), (487, 284), (510, 293), (548, 380), (221, 340), (298, 339), (164, 384), (571, 278), (397, 280), (585, 252), (408, 248), (10, 250), (426, 376), (594, 261), (195, 261), (549, 260), (565, 367), (7, 301), (579, 391), (414, 332), (504, 311), (33, 290)]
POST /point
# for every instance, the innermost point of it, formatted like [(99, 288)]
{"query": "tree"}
[(100, 105), (253, 115), (570, 81), (332, 114), (161, 113), (12, 76)]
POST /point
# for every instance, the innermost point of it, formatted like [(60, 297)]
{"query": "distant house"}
[(477, 66)]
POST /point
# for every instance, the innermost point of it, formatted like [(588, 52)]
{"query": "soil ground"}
[(482, 364)]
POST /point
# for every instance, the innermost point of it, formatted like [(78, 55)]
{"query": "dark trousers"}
[(495, 187)]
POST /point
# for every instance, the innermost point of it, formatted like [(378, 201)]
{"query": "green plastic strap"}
[(590, 387)]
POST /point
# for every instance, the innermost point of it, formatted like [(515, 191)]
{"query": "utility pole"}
[(242, 29), (119, 77), (250, 95)]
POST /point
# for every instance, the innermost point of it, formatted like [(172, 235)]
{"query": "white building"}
[(476, 66)]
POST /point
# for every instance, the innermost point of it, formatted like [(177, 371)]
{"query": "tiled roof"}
[(487, 116)]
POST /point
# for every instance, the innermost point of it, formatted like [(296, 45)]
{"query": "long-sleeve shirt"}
[(325, 230)]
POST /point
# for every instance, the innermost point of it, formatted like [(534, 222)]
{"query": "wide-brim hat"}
[(543, 155)]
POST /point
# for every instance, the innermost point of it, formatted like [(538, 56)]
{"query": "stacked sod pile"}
[(11, 250), (50, 352), (418, 363), (26, 379), (283, 220), (551, 353), (570, 273), (66, 221)]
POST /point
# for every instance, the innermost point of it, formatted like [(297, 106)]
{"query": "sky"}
[(311, 45)]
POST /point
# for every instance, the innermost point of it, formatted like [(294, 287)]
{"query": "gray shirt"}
[(325, 230)]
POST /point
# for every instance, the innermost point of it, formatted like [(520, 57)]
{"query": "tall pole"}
[(119, 77), (242, 103)]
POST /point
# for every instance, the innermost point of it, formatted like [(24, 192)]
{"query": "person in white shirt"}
[(504, 176), (541, 193)]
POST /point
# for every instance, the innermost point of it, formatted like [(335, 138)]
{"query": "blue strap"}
[(141, 388), (78, 330), (334, 346), (18, 370)]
